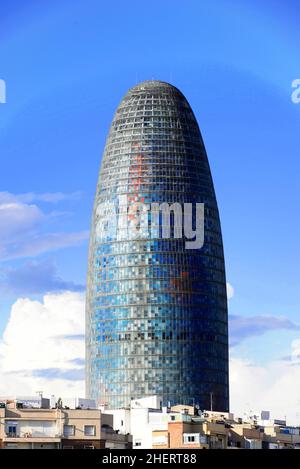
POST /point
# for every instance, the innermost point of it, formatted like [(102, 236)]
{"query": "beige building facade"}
[(58, 428)]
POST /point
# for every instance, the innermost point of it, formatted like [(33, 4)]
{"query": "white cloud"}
[(43, 345), (23, 225), (42, 243), (243, 327), (17, 218), (28, 197), (273, 387), (230, 290), (295, 355), (34, 277)]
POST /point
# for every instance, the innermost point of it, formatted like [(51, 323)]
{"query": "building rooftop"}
[(154, 86)]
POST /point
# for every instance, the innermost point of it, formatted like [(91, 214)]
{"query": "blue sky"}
[(67, 65)]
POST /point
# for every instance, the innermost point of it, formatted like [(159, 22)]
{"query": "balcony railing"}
[(30, 435)]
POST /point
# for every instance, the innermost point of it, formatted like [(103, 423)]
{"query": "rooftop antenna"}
[(211, 401)]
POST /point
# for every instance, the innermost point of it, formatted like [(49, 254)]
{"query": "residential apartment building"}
[(155, 426), (145, 424), (187, 432), (281, 437), (37, 428), (186, 427)]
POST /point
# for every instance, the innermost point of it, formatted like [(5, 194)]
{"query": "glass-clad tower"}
[(156, 315)]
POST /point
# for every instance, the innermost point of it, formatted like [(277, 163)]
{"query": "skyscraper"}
[(156, 315)]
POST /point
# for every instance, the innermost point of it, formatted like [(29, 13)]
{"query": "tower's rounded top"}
[(152, 85)]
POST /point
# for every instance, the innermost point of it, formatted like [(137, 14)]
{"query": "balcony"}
[(30, 438), (211, 428)]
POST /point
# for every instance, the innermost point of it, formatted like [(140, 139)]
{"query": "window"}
[(191, 438), (90, 430), (89, 447), (69, 430), (160, 440), (12, 430)]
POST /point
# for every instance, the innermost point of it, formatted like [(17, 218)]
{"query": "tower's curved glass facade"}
[(156, 315)]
